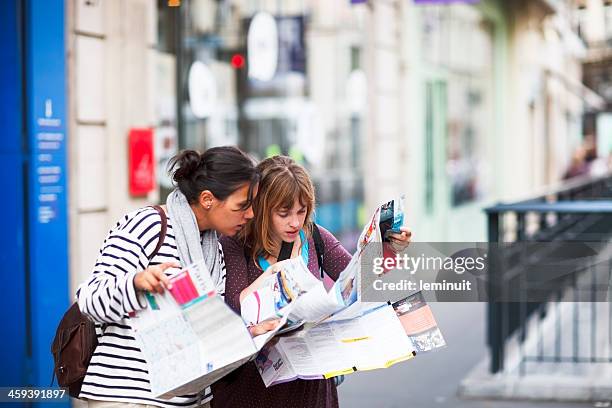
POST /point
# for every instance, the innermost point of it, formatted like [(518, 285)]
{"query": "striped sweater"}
[(118, 370)]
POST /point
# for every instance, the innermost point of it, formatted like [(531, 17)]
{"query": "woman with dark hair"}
[(282, 214), (213, 195)]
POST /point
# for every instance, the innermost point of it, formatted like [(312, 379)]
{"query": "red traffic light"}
[(237, 61)]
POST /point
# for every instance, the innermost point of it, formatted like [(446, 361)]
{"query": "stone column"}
[(110, 90), (383, 147)]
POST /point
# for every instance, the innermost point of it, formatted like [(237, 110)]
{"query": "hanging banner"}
[(292, 46)]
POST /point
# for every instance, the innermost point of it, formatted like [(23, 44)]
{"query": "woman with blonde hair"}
[(282, 210)]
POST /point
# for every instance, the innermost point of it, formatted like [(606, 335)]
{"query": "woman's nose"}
[(295, 222)]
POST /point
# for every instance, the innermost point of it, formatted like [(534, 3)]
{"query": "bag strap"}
[(319, 247), (285, 251), (286, 248), (162, 232), (160, 242)]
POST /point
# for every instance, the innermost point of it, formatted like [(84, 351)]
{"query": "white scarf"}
[(193, 245)]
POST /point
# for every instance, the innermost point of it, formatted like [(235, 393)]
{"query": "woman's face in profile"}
[(229, 216), (287, 222)]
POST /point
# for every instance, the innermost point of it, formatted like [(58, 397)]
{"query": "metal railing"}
[(526, 331)]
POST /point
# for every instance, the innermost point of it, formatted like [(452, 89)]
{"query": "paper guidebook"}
[(374, 340), (291, 281), (341, 334), (419, 323), (190, 337), (378, 336), (290, 291)]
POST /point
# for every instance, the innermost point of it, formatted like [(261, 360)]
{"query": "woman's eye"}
[(282, 215)]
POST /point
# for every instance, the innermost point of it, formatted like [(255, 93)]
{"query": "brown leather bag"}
[(76, 340)]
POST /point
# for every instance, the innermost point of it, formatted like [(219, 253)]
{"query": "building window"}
[(311, 108)]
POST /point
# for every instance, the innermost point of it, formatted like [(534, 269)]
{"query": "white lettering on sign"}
[(48, 108), (49, 170), (46, 198), (50, 137), (143, 171), (48, 120), (45, 214)]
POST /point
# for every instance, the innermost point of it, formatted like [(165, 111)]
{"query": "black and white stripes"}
[(118, 370)]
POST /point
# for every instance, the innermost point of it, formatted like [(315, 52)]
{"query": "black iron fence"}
[(566, 327)]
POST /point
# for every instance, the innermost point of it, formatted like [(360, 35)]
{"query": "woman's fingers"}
[(407, 232), (140, 281), (254, 331), (154, 282), (400, 241), (145, 286), (144, 281), (270, 324), (154, 279), (161, 276), (404, 236), (398, 237), (263, 327)]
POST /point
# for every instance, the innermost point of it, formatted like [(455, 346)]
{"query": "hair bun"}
[(184, 165), (221, 170)]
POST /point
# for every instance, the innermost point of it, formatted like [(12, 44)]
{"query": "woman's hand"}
[(153, 279), (263, 327), (400, 241)]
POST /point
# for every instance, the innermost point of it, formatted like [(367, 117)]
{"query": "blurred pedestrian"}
[(578, 165)]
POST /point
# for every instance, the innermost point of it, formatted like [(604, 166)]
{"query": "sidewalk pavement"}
[(432, 380)]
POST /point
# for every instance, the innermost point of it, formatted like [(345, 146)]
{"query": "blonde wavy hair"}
[(282, 180)]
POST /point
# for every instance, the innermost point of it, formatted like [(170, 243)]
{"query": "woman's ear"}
[(206, 199)]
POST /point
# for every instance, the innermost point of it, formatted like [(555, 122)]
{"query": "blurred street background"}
[(460, 105)]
